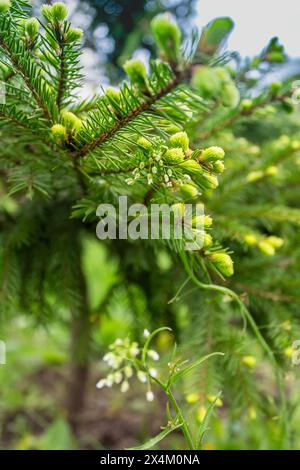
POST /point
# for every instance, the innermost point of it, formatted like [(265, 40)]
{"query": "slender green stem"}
[(246, 314), (184, 427)]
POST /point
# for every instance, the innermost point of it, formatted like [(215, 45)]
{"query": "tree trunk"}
[(79, 360)]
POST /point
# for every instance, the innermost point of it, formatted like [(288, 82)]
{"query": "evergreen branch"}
[(243, 113), (17, 63), (143, 107)]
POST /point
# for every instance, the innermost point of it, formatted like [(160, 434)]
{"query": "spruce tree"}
[(163, 136)]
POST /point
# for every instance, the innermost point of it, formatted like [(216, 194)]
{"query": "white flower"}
[(142, 376), (128, 371), (134, 350), (118, 377), (146, 333), (153, 372), (109, 380), (124, 386), (149, 395), (153, 354), (118, 342), (101, 383)]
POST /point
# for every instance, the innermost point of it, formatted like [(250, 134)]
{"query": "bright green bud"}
[(167, 35), (31, 27), (218, 166), (191, 167), (210, 181), (202, 220), (113, 94), (266, 248), (4, 6), (246, 104), (208, 241), (230, 95), (249, 361), (145, 143), (71, 121), (275, 87), (223, 263), (254, 176), (272, 171), (59, 132), (180, 139), (136, 71), (207, 81), (174, 156), (46, 11), (59, 11), (212, 154), (74, 35), (250, 239), (189, 191), (276, 242)]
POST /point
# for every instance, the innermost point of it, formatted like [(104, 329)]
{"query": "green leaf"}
[(191, 366), (214, 34), (204, 425), (155, 440)]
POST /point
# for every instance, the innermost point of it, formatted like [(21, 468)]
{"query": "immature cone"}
[(136, 71), (191, 167), (266, 248), (4, 6), (145, 143), (223, 263), (59, 132), (71, 121), (276, 242), (212, 154), (31, 27), (180, 139), (74, 35), (174, 156), (54, 13), (59, 11), (189, 191), (167, 36)]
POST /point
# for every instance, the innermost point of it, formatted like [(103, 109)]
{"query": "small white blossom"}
[(118, 377), (146, 333), (128, 371), (125, 386), (166, 178), (101, 383), (153, 372), (134, 350), (109, 380), (149, 395), (154, 170), (142, 376), (153, 355)]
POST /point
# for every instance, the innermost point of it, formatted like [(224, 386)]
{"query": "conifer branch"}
[(143, 107), (27, 80)]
